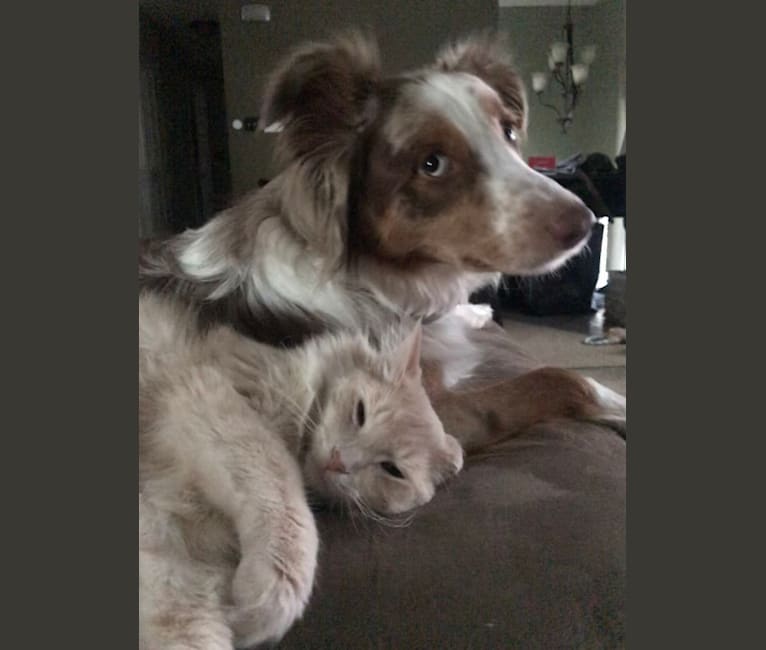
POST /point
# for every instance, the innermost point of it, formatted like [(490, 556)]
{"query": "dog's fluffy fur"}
[(397, 195)]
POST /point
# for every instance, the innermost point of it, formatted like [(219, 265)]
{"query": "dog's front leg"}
[(490, 411)]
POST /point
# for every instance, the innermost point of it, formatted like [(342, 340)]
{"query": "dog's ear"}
[(322, 94), (487, 56)]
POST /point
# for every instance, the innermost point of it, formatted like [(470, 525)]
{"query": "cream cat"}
[(231, 433)]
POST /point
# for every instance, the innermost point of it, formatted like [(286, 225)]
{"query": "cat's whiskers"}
[(303, 413), (351, 513), (385, 520), (370, 513)]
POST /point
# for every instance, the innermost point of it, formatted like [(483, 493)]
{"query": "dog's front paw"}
[(612, 408)]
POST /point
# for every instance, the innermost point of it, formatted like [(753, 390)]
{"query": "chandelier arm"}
[(551, 106), (574, 97)]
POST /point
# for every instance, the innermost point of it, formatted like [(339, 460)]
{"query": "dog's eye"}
[(434, 165), (359, 414), (510, 134), (391, 469)]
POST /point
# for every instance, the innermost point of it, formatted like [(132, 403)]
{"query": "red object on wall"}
[(542, 162)]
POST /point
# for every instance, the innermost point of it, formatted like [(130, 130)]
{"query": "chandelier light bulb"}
[(559, 51), (539, 81), (588, 54), (579, 73)]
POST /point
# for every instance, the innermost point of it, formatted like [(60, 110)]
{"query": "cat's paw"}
[(267, 603), (271, 589)]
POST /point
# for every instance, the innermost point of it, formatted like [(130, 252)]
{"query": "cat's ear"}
[(322, 93), (408, 354)]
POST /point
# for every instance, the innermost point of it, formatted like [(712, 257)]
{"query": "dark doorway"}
[(184, 176)]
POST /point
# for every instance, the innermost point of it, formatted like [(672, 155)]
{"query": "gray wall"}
[(599, 118), (409, 33)]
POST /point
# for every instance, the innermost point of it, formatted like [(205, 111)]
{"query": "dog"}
[(398, 195)]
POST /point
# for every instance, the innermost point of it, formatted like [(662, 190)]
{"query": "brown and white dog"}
[(398, 195)]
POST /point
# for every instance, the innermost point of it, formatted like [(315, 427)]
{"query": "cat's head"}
[(376, 441)]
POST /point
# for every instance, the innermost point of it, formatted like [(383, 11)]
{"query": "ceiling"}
[(546, 3), (186, 11)]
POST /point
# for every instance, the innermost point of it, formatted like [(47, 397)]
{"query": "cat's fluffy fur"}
[(231, 433)]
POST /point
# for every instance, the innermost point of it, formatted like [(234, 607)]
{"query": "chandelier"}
[(568, 75)]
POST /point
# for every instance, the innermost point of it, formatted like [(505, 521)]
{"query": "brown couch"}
[(524, 549)]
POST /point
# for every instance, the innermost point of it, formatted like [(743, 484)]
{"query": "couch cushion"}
[(524, 549)]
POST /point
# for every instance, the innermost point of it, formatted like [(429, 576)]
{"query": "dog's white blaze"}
[(445, 94), (451, 95), (510, 183)]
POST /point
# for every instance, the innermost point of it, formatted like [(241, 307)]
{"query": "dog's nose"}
[(572, 225)]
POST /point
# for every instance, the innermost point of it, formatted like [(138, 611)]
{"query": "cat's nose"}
[(335, 464)]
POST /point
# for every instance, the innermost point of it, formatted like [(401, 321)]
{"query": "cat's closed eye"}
[(359, 414), (391, 469)]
